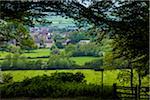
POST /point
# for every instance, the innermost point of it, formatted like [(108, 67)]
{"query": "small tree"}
[(14, 49), (7, 78), (28, 44)]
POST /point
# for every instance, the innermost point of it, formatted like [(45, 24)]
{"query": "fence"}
[(131, 93)]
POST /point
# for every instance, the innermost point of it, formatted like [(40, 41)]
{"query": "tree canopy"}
[(125, 21)]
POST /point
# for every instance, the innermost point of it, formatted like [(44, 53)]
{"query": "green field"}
[(78, 60), (38, 53), (33, 53), (83, 60), (91, 76), (3, 54), (110, 76), (46, 52)]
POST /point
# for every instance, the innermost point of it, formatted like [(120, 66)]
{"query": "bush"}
[(14, 61), (59, 44), (53, 47), (39, 64), (14, 49), (55, 51), (60, 61), (51, 86), (7, 78), (68, 77), (19, 62)]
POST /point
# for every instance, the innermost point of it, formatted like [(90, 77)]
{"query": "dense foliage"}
[(7, 78), (60, 61), (59, 44), (90, 49), (15, 33), (76, 36), (13, 49), (125, 21), (57, 85), (13, 62), (56, 61), (68, 77)]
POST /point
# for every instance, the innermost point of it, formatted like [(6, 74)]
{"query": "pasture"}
[(46, 52), (32, 53), (91, 76), (83, 60), (37, 53)]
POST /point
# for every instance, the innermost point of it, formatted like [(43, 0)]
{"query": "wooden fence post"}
[(102, 83), (136, 92), (139, 87), (114, 90)]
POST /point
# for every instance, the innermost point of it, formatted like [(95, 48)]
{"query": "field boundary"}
[(134, 93), (96, 69), (28, 57), (56, 68)]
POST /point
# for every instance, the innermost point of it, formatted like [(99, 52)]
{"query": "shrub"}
[(14, 49), (59, 44), (39, 64), (19, 62), (55, 51), (60, 61), (14, 61), (51, 86), (53, 47), (7, 78), (6, 64), (68, 77)]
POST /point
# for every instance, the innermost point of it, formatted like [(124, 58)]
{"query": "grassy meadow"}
[(32, 53), (37, 53), (110, 76), (91, 76), (46, 52), (83, 60)]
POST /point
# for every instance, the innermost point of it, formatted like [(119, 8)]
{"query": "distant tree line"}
[(89, 49)]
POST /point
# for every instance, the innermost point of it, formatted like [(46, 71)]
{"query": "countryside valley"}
[(62, 55)]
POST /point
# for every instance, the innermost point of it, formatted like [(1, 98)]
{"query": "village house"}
[(42, 37), (84, 41)]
